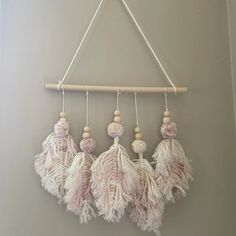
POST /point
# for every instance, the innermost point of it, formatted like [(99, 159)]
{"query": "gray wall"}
[(232, 40), (191, 37)]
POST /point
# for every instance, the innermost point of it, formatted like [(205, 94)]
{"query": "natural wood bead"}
[(137, 130), (117, 119), (62, 114), (86, 129), (138, 136), (86, 135), (167, 113), (116, 113), (166, 119)]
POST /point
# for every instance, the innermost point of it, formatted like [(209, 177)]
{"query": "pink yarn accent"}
[(87, 145), (168, 130), (115, 129), (139, 146), (61, 128)]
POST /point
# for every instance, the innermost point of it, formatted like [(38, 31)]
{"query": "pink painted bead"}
[(115, 130), (87, 145), (61, 128), (168, 130)]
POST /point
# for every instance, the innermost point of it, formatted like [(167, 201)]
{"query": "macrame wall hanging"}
[(112, 183)]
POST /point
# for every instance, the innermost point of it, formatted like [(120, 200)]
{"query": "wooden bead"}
[(62, 114), (138, 136), (167, 113), (86, 129), (137, 130), (86, 135), (117, 119), (116, 113), (166, 119)]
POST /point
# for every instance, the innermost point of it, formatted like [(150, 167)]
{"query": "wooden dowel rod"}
[(127, 89)]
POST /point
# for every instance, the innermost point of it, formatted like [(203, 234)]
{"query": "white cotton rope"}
[(117, 99), (60, 82), (81, 44), (148, 45), (136, 109), (63, 99), (87, 108), (166, 101)]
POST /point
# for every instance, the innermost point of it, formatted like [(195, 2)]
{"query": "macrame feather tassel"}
[(113, 176), (58, 152), (173, 171), (147, 207), (78, 196)]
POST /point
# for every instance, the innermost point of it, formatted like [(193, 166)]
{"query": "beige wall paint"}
[(38, 39)]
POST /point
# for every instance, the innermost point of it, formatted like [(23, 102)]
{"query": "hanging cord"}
[(63, 98), (80, 45), (149, 45), (87, 108), (64, 142), (60, 82), (136, 108), (117, 99), (166, 101)]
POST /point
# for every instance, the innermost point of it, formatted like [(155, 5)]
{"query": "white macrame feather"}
[(52, 164), (173, 170), (78, 196), (147, 207), (113, 180)]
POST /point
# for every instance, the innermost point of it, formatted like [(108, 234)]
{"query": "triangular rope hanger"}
[(71, 87)]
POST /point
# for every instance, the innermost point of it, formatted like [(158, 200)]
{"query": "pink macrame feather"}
[(173, 170), (56, 157), (147, 207), (113, 180), (78, 197)]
